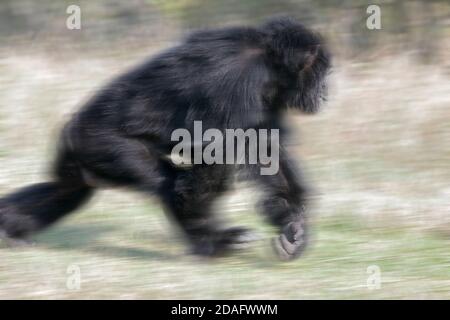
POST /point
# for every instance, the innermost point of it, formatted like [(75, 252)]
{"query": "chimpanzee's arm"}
[(284, 205)]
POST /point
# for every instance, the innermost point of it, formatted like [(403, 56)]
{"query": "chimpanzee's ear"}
[(310, 56), (295, 59)]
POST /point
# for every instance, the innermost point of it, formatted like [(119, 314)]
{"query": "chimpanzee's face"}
[(301, 61), (309, 90)]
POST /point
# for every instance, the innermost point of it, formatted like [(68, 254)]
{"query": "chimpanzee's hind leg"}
[(188, 196), (38, 206), (117, 160)]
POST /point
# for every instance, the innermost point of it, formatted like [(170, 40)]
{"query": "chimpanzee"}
[(229, 78)]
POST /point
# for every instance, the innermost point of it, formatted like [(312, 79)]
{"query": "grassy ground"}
[(378, 158), (136, 254)]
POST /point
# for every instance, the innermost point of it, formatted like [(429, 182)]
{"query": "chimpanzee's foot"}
[(222, 241), (292, 241), (10, 242), (236, 236), (14, 227)]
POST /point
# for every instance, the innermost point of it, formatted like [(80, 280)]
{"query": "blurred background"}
[(378, 156)]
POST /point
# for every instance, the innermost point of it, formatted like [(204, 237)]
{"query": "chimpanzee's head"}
[(301, 62)]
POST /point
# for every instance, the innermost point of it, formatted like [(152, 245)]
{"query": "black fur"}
[(228, 78)]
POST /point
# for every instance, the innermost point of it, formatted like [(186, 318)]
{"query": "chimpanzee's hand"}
[(293, 239)]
